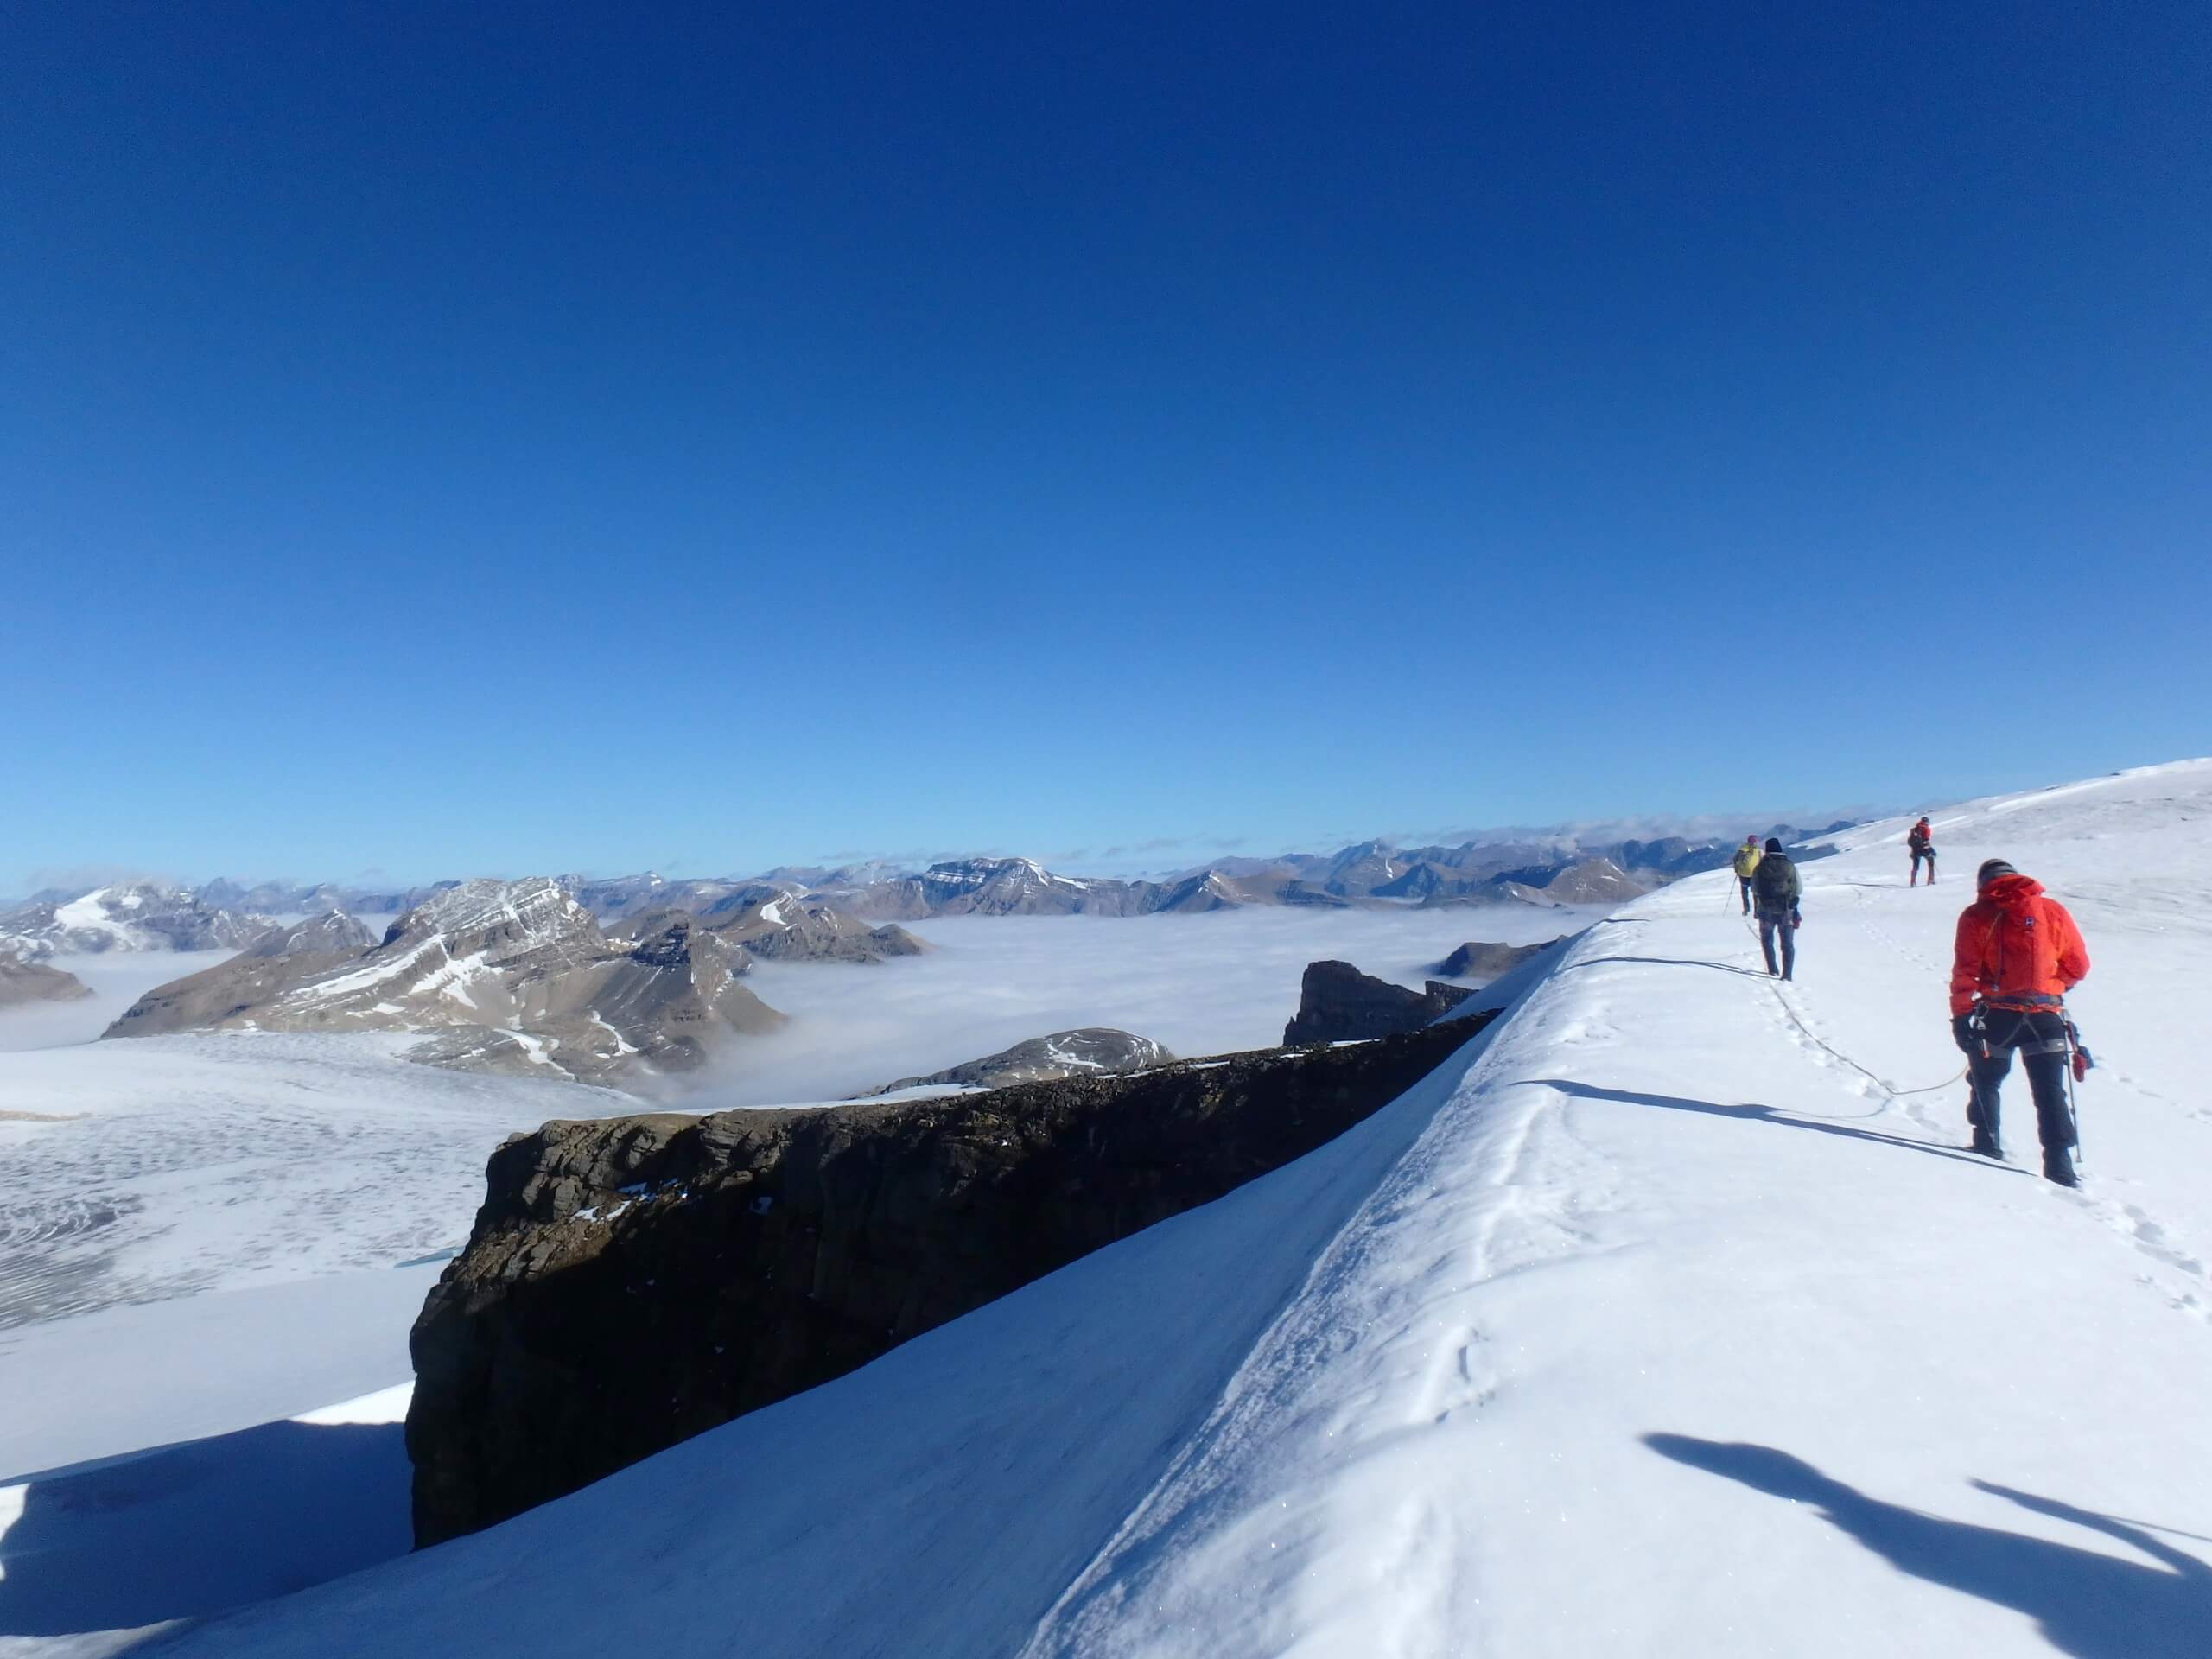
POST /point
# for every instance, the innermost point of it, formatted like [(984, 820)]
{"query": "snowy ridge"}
[(501, 920), (133, 916), (1667, 1318)]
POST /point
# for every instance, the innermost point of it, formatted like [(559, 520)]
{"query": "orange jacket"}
[(2016, 949)]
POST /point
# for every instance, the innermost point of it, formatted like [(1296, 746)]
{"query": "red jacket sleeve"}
[(1966, 974), (2073, 952)]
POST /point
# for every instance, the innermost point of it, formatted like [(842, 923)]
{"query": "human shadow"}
[(201, 1527), (1751, 1113), (1672, 962), (2085, 1602)]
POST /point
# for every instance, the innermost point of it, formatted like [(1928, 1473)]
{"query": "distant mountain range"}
[(1368, 874)]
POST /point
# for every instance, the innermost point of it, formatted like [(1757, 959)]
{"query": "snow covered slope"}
[(1662, 1320)]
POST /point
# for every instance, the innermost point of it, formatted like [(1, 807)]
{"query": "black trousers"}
[(1769, 924), (2041, 1038), (1745, 882)]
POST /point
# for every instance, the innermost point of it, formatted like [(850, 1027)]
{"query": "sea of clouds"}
[(1206, 985)]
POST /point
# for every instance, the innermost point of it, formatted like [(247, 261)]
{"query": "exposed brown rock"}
[(1336, 1003), (630, 1282), (1479, 959), (22, 981)]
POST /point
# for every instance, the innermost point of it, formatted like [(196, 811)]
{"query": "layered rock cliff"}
[(634, 1282)]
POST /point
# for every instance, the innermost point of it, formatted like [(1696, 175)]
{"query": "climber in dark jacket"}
[(1775, 892)]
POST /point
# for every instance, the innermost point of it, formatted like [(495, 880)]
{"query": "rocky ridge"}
[(1089, 1051), (22, 981), (630, 1282), (273, 962), (1336, 1003), (1479, 959), (513, 976), (782, 927), (130, 916)]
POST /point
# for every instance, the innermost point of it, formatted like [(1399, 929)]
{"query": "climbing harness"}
[(2079, 1061)]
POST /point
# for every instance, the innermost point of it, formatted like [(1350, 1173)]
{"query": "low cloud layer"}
[(1201, 984)]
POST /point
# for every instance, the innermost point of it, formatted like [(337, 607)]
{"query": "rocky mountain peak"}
[(484, 914), (334, 932), (126, 916)]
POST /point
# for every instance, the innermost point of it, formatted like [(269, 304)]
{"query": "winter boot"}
[(2059, 1166)]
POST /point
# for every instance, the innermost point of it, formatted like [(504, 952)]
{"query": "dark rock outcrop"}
[(22, 981), (1336, 1003), (634, 1282), (1089, 1051), (1479, 959)]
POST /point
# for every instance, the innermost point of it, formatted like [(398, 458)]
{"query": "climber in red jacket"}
[(2016, 954), (1920, 843)]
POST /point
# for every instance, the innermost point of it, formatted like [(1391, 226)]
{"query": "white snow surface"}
[(161, 1167), (89, 914), (1660, 1320)]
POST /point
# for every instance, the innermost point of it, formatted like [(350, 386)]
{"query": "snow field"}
[(1651, 1324), (1659, 1320)]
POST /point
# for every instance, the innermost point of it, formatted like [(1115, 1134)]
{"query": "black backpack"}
[(1772, 881)]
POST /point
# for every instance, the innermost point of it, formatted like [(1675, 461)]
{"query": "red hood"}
[(2012, 892)]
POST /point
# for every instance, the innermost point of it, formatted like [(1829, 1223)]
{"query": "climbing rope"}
[(1830, 1049)]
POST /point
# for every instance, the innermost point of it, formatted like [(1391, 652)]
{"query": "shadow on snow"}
[(2085, 1602), (201, 1527), (1755, 1114), (1668, 962)]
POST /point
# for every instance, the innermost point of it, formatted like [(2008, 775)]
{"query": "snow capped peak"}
[(127, 916), (536, 906)]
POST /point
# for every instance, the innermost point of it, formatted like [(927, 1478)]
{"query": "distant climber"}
[(1746, 861), (1776, 889), (1920, 841), (2016, 956)]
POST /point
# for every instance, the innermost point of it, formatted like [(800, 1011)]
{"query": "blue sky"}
[(445, 439)]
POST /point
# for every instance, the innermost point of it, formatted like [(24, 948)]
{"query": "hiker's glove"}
[(1796, 920), (1966, 1031)]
